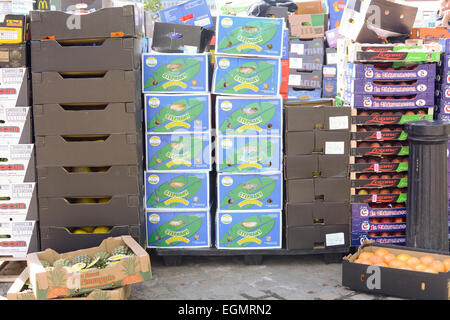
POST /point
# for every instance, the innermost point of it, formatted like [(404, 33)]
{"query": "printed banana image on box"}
[(249, 36), (175, 73), (246, 76), (181, 191), (178, 229), (249, 192), (249, 230), (177, 113), (250, 116), (249, 154), (179, 152)]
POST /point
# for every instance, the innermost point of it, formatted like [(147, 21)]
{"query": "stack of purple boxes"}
[(379, 147), (442, 111)]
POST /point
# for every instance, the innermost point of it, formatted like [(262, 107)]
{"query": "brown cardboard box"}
[(13, 56), (396, 282), (60, 283), (116, 149), (318, 237), (301, 117), (308, 26), (18, 292), (315, 165), (86, 55), (119, 210), (62, 240), (56, 119), (309, 7), (112, 180), (317, 141), (391, 19), (112, 86), (310, 190), (317, 213), (104, 23)]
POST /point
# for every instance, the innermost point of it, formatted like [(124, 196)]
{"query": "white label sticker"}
[(334, 239), (298, 48), (190, 49), (329, 71), (295, 80), (337, 123), (334, 147), (295, 63)]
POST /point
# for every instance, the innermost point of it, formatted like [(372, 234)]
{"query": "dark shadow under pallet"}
[(174, 257)]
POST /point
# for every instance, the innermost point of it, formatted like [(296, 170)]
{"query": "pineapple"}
[(83, 258), (102, 255), (61, 263), (120, 250), (45, 264)]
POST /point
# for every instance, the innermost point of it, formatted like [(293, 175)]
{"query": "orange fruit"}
[(388, 258), (420, 267), (406, 267), (381, 264), (362, 261), (403, 257), (446, 263), (381, 252), (438, 266), (397, 264), (426, 260), (365, 255), (430, 270), (413, 262), (375, 260)]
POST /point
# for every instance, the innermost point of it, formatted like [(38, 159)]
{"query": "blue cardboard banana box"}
[(249, 116), (177, 191), (193, 12), (178, 229), (249, 36), (172, 113), (175, 72), (249, 154), (249, 192), (246, 76), (249, 230), (179, 151)]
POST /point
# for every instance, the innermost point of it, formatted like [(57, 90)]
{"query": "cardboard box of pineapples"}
[(22, 290), (115, 263)]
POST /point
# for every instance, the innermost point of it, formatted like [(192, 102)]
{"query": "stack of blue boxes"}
[(178, 149), (249, 144)]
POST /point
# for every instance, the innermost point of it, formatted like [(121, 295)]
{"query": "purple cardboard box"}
[(419, 100), (357, 239), (368, 71), (444, 117), (443, 77), (360, 86), (365, 211), (365, 226), (332, 36)]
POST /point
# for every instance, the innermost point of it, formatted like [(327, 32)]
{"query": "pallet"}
[(4, 262), (174, 257)]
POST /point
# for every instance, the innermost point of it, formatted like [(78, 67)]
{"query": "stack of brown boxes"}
[(317, 143), (88, 126)]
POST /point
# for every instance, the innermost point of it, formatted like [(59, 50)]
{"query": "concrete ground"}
[(210, 278)]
